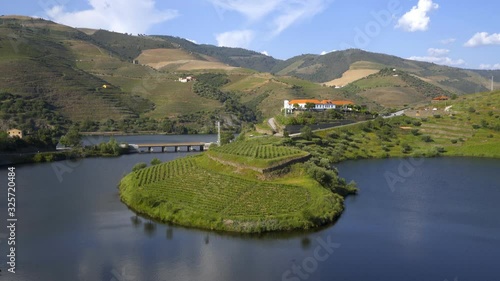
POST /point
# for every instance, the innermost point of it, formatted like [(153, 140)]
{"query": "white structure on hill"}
[(318, 105)]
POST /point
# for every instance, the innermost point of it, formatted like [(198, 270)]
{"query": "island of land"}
[(263, 183)]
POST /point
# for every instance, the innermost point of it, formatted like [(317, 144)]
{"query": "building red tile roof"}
[(335, 102), (441, 98)]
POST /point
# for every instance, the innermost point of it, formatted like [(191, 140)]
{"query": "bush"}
[(476, 126), (406, 148), (49, 157), (155, 161), (472, 109), (306, 133), (139, 166), (38, 158), (415, 132), (427, 138), (454, 141), (437, 116), (417, 123), (440, 149)]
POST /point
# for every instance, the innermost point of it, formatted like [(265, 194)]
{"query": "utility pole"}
[(218, 133), (492, 83)]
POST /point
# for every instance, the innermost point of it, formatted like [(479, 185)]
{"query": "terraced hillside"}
[(256, 155), (36, 60), (197, 191), (334, 65), (468, 126), (394, 88)]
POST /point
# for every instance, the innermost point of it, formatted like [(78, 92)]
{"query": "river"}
[(432, 219)]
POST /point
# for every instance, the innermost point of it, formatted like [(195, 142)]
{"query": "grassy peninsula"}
[(248, 186), (278, 184)]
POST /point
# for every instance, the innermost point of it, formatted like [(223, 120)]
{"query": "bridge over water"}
[(190, 146)]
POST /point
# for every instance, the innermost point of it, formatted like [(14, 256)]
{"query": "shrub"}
[(139, 166), (476, 126), (406, 148), (49, 157), (155, 161), (306, 133), (417, 123), (415, 132), (454, 141), (472, 109), (437, 116), (440, 149), (484, 123), (427, 138), (38, 158)]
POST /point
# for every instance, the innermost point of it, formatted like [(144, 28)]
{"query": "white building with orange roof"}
[(318, 104)]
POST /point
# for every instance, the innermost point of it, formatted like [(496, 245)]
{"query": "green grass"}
[(199, 192)]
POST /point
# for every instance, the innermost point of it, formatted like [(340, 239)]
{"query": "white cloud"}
[(265, 53), (439, 60), (236, 38), (483, 38), (489, 66), (192, 41), (295, 11), (115, 15), (254, 10), (281, 14), (437, 52), (448, 41), (417, 19), (325, 52), (438, 56)]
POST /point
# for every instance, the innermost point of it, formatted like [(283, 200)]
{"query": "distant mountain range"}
[(68, 68)]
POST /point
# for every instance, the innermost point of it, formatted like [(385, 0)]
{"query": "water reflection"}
[(170, 233), (305, 243), (136, 221), (149, 228)]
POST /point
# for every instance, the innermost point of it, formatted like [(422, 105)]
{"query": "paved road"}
[(398, 113), (272, 123)]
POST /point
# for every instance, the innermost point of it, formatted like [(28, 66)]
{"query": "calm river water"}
[(434, 219)]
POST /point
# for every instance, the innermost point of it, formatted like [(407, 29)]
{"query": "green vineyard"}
[(163, 171), (258, 151), (255, 155), (186, 192)]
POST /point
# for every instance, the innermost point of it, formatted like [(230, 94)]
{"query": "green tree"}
[(306, 133), (155, 161), (139, 166), (310, 105), (226, 137), (72, 138)]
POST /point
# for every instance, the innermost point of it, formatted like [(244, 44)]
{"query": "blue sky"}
[(457, 33)]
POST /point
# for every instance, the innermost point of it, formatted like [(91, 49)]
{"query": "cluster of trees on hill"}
[(208, 86), (41, 124)]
